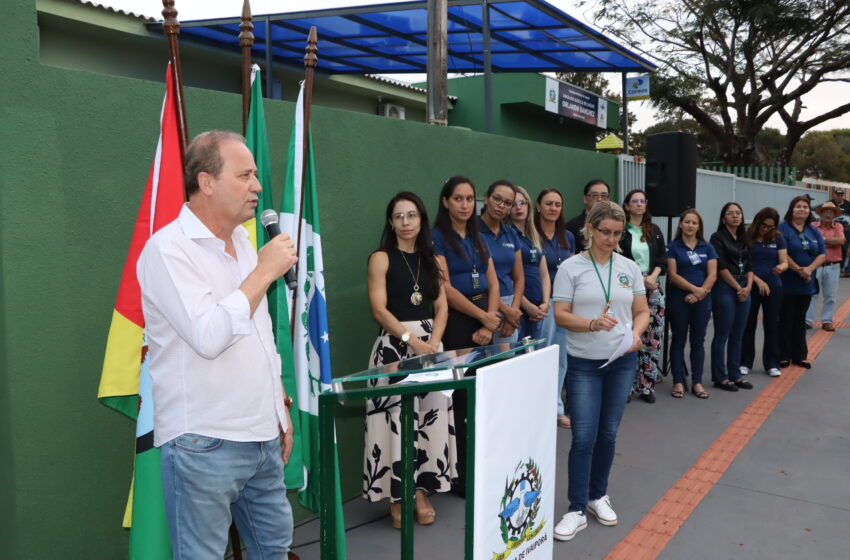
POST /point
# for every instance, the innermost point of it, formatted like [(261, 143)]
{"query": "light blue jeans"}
[(507, 300), (556, 335), (209, 481), (828, 277)]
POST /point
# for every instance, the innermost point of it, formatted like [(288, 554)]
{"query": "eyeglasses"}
[(412, 215), (768, 227), (733, 213), (521, 202), (638, 201), (610, 233), (598, 195), (499, 201)]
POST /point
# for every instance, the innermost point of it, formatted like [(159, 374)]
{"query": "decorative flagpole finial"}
[(246, 28), (311, 58), (169, 18)]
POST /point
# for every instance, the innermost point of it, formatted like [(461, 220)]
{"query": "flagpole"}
[(246, 41), (172, 28), (310, 61)]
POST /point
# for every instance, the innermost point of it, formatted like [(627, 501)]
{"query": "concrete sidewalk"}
[(785, 496)]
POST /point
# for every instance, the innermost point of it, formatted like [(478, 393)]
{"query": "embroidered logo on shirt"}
[(624, 280)]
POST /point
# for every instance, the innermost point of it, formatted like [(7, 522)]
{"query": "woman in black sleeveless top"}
[(408, 300)]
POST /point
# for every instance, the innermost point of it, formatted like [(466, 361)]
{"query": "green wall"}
[(74, 156)]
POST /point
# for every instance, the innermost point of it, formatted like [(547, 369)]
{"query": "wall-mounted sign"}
[(575, 103), (637, 88)]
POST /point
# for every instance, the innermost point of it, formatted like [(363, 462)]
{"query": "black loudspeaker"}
[(671, 172)]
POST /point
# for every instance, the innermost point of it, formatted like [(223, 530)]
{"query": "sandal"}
[(564, 421), (805, 364), (395, 514), (425, 514), (677, 394), (699, 394), (741, 384)]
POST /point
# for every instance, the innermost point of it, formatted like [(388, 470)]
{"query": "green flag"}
[(257, 141)]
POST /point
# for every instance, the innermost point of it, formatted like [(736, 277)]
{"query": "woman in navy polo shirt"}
[(473, 289), (770, 259), (692, 271), (558, 245), (806, 252), (731, 299), (504, 248), (535, 297)]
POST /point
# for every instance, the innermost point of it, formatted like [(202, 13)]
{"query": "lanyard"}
[(608, 291)]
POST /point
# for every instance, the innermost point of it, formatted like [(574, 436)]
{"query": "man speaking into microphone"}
[(219, 413)]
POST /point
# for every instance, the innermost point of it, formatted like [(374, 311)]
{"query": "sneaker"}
[(774, 372), (601, 509), (570, 524), (744, 370)]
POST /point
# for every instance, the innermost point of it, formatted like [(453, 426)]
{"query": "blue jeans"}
[(597, 401), (828, 277), (528, 328), (507, 300), (556, 335), (730, 319), (209, 481), (685, 319)]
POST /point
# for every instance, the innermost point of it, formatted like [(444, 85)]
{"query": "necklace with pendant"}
[(416, 296)]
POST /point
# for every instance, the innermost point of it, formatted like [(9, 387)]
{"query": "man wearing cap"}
[(843, 217), (827, 274)]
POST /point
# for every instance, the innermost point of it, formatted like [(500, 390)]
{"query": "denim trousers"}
[(528, 328), (556, 335), (597, 401), (770, 305), (687, 319), (828, 277), (792, 327), (730, 319), (209, 481), (507, 300)]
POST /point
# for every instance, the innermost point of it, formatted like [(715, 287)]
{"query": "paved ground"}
[(785, 495)]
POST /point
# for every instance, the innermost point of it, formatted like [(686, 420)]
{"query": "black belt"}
[(830, 264)]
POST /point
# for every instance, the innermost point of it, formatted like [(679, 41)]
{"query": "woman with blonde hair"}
[(535, 300), (600, 298)]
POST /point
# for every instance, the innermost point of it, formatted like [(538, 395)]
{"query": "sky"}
[(821, 99)]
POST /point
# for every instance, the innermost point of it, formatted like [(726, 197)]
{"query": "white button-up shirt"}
[(215, 369)]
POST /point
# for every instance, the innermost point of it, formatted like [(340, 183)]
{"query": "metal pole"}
[(624, 122), (269, 79), (488, 67), (246, 41), (437, 102), (408, 451)]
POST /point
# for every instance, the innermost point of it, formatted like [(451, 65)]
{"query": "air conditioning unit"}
[(391, 111)]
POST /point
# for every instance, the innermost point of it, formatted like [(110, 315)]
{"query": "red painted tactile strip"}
[(652, 533)]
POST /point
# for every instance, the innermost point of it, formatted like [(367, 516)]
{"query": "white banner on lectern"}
[(515, 446)]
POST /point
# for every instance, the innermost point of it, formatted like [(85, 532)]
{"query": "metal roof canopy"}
[(524, 36)]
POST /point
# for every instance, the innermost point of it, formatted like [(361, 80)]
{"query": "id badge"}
[(533, 255), (475, 279), (804, 242), (740, 268), (695, 260)]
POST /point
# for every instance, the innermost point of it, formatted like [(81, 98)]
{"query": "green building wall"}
[(75, 152)]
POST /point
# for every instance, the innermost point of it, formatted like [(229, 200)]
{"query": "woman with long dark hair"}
[(731, 299), (770, 259), (472, 289), (692, 272), (504, 248), (600, 297), (806, 252), (535, 297), (643, 242), (558, 245), (408, 300)]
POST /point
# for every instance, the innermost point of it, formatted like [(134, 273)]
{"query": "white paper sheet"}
[(431, 376), (625, 343)]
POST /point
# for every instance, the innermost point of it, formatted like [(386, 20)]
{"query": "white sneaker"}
[(774, 372), (601, 509), (744, 370), (570, 524)]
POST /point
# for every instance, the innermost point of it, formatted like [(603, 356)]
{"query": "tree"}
[(819, 154), (733, 64)]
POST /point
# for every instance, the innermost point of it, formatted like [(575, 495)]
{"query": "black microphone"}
[(269, 220)]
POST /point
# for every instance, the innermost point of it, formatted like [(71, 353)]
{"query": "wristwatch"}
[(405, 337)]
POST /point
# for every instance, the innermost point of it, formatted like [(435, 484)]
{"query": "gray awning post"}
[(488, 67)]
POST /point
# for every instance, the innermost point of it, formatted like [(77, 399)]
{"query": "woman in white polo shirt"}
[(600, 298)]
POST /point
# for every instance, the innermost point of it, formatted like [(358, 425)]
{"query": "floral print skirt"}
[(648, 372), (433, 420)]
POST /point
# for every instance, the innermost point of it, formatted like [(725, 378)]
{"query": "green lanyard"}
[(608, 291)]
